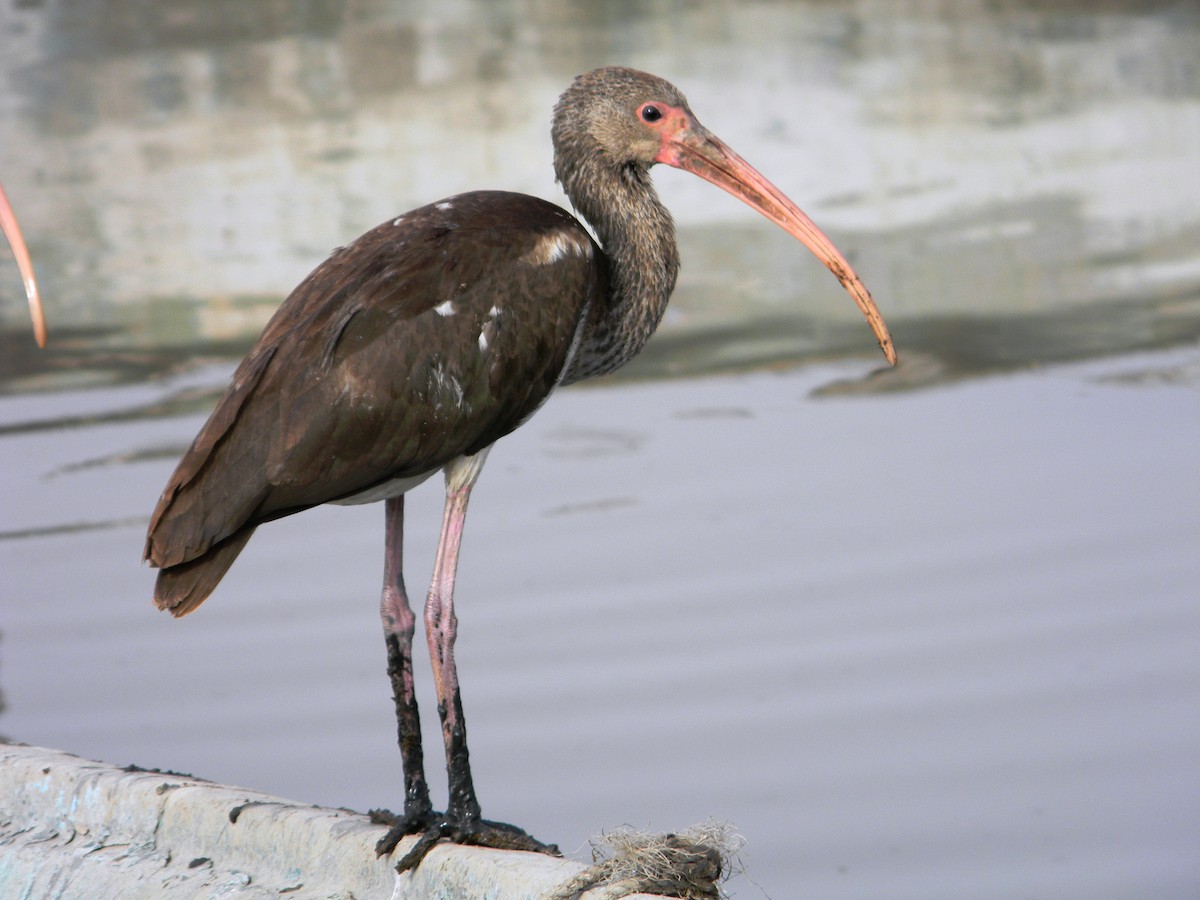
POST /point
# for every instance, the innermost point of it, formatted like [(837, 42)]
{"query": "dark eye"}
[(651, 113)]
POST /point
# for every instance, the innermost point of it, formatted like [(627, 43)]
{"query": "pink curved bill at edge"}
[(12, 231)]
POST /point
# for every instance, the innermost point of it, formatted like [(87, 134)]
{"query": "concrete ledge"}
[(72, 828)]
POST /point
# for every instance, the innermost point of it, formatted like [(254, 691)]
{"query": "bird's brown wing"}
[(428, 338)]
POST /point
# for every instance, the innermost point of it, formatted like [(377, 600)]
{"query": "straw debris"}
[(689, 865)]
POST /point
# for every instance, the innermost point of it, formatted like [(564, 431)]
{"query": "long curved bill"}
[(696, 150), (12, 231)]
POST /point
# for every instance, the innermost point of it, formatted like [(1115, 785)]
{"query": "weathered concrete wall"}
[(72, 828)]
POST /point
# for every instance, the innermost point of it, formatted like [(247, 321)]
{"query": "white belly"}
[(385, 491), (460, 472)]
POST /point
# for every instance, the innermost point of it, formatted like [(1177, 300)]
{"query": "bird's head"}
[(618, 117), (612, 124)]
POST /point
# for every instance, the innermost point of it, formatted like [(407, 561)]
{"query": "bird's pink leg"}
[(399, 623), (441, 630), (462, 822)]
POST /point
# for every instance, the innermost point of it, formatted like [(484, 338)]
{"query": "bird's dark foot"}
[(400, 827), (434, 828)]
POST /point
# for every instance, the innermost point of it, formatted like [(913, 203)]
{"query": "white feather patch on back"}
[(554, 246)]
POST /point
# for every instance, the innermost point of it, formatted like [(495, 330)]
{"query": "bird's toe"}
[(475, 832), (400, 827)]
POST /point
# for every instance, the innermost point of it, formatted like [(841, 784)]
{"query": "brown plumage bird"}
[(415, 348)]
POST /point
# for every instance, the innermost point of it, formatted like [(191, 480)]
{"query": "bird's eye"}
[(651, 113)]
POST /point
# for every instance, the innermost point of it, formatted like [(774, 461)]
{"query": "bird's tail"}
[(180, 589)]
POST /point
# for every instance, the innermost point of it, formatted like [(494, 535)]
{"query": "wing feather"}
[(428, 338)]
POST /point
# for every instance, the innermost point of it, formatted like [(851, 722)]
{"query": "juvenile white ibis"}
[(432, 336), (12, 233)]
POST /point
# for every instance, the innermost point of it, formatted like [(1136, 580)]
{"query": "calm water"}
[(934, 642)]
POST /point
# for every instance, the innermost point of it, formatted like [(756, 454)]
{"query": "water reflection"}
[(180, 166)]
